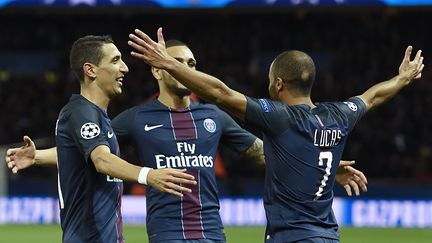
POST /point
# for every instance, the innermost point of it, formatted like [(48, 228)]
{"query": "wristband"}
[(142, 177)]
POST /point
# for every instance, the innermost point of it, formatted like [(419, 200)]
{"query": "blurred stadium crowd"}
[(352, 50)]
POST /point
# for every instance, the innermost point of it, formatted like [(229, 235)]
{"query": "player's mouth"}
[(120, 81)]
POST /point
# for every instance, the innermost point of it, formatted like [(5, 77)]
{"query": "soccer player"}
[(303, 140), (173, 132), (90, 171)]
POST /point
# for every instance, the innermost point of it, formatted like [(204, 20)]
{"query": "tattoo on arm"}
[(256, 152)]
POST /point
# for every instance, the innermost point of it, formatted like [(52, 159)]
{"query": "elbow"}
[(101, 164)]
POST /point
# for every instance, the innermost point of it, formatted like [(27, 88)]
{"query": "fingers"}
[(408, 52), (360, 182), (346, 162), (148, 41), (178, 188), (137, 43), (137, 55), (348, 190), (355, 187), (9, 158), (418, 56), (10, 152), (27, 141), (357, 173), (175, 189), (160, 36), (136, 46), (15, 170), (171, 180), (10, 164), (181, 173)]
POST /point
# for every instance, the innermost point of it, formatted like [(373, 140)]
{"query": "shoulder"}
[(267, 105), (353, 104)]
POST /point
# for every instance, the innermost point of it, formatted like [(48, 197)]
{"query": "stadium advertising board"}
[(238, 212)]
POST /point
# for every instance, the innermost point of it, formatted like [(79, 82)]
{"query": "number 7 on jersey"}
[(326, 156)]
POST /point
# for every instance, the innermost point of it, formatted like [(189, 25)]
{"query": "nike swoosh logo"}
[(110, 134), (148, 128)]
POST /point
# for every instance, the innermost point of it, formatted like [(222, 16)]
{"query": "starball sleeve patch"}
[(90, 130)]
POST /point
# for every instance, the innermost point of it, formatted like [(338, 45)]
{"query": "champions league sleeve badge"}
[(90, 130), (351, 105), (210, 125), (265, 105)]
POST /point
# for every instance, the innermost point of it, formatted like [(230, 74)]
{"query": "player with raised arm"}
[(303, 140), (171, 131)]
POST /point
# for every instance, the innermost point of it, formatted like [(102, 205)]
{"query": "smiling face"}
[(110, 71), (184, 55)]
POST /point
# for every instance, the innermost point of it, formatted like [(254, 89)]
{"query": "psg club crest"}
[(90, 130), (210, 125)]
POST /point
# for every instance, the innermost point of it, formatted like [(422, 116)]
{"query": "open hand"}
[(349, 178), (412, 69), (22, 157), (151, 52), (170, 180)]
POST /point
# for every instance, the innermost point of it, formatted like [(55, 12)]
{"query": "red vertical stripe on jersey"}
[(191, 210), (183, 125), (120, 238), (185, 129)]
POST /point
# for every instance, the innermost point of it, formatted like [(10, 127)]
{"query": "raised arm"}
[(27, 156), (207, 87), (408, 71)]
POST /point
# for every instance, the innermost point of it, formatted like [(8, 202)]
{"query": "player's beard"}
[(175, 86), (181, 92)]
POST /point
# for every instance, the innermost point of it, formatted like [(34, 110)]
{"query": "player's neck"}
[(298, 101), (174, 101), (98, 98)]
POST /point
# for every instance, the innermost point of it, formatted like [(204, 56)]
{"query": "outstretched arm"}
[(408, 70), (27, 156), (166, 180), (207, 87)]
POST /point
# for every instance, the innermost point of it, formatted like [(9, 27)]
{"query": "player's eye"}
[(192, 64)]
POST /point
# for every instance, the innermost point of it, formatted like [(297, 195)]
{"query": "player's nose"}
[(124, 68)]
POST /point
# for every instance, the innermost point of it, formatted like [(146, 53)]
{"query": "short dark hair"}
[(296, 69), (87, 49), (171, 43)]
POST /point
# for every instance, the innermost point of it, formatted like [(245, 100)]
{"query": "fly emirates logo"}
[(185, 158)]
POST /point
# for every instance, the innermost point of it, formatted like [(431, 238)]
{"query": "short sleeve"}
[(122, 123), (267, 115), (354, 108), (233, 136), (85, 127)]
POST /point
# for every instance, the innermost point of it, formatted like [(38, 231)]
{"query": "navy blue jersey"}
[(302, 148), (189, 138), (89, 201)]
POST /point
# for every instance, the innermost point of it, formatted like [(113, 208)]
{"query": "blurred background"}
[(354, 44)]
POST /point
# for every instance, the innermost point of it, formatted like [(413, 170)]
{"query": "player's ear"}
[(156, 73), (89, 70), (280, 84)]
